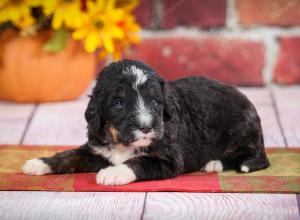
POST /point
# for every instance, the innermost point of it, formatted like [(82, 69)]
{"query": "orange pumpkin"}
[(29, 74)]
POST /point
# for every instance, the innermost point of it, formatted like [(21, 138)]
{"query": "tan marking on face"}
[(113, 133)]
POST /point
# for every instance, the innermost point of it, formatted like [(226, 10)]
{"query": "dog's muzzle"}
[(142, 137)]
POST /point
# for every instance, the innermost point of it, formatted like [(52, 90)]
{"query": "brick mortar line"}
[(157, 14), (254, 33), (271, 45), (271, 57), (232, 19), (267, 35)]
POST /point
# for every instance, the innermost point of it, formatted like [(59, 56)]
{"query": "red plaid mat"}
[(282, 177)]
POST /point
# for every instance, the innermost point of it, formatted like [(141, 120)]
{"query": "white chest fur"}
[(117, 154)]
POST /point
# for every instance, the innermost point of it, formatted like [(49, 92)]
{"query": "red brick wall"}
[(241, 42)]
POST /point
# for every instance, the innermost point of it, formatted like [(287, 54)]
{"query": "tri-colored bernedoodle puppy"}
[(141, 127)]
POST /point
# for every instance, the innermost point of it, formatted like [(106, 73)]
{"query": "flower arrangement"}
[(105, 26)]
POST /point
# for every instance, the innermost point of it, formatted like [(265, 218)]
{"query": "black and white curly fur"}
[(141, 127)]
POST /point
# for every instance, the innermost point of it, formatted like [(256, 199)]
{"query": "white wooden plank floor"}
[(63, 124), (288, 104), (220, 206), (67, 205), (58, 123), (261, 98), (13, 121)]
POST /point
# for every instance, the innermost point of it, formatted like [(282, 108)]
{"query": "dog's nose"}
[(145, 130)]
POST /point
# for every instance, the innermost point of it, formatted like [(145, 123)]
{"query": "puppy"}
[(141, 127)]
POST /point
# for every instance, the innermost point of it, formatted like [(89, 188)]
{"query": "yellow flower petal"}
[(2, 3), (110, 5), (108, 43), (100, 4), (135, 28), (135, 39), (91, 8), (57, 20), (92, 41), (14, 15), (35, 3), (72, 17), (127, 5), (49, 6), (116, 15), (79, 34), (116, 32), (77, 21)]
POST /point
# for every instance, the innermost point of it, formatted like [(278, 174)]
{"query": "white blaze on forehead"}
[(140, 76), (143, 113)]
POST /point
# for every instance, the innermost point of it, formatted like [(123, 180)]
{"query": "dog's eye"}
[(154, 102), (119, 104)]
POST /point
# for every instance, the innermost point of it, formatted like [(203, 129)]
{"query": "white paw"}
[(213, 166), (245, 169), (36, 167), (115, 175)]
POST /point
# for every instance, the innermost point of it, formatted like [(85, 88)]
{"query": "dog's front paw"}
[(115, 175), (36, 167), (213, 166)]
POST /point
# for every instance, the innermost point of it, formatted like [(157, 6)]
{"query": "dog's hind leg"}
[(257, 162), (245, 159), (246, 152), (258, 159), (70, 161)]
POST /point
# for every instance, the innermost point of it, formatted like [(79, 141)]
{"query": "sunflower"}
[(130, 28), (66, 13), (107, 25), (18, 12), (102, 26)]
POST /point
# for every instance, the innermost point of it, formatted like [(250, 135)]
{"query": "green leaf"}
[(57, 42)]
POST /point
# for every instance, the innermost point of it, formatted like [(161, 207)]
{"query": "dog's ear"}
[(168, 101), (93, 116)]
